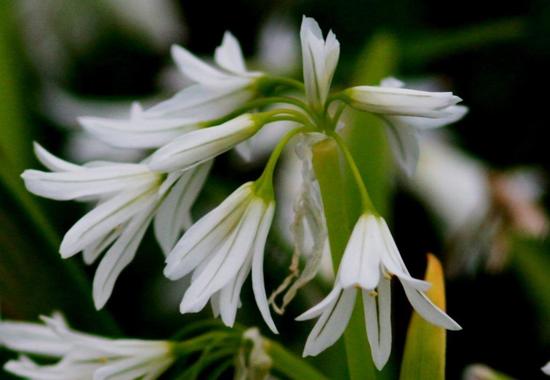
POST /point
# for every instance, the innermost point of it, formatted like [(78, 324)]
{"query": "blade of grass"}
[(424, 356)]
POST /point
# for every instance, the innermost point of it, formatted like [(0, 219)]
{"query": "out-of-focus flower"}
[(81, 356), (546, 368), (278, 47)]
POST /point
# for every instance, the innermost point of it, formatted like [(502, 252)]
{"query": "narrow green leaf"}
[(420, 50), (530, 260), (424, 356)]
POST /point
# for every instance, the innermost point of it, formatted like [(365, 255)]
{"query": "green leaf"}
[(424, 356), (342, 206), (530, 260)]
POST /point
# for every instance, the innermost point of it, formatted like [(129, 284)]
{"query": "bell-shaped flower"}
[(220, 250), (81, 356), (128, 197), (217, 90), (320, 58), (402, 131), (204, 144), (369, 260)]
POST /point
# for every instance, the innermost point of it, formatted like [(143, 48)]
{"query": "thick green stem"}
[(342, 207)]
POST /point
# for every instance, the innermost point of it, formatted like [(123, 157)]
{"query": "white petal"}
[(195, 69), (320, 308), (428, 310), (229, 295), (404, 144), (52, 162), (138, 132), (174, 213), (546, 368), (401, 101), (319, 61), (331, 324), (202, 145), (455, 113), (207, 233), (103, 219), (360, 264), (258, 284), (224, 265), (32, 338), (26, 368), (119, 256), (125, 369), (93, 251), (204, 103), (392, 260), (87, 182), (378, 320), (229, 55)]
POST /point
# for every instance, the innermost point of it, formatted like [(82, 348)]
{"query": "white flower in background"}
[(320, 58), (137, 131), (278, 47), (217, 91), (370, 259), (220, 250), (406, 112), (546, 368), (128, 197), (81, 356), (204, 144)]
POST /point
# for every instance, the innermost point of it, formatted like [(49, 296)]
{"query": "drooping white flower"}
[(370, 258), (220, 250), (546, 368), (128, 197), (81, 356), (204, 144), (320, 58), (217, 90), (406, 112)]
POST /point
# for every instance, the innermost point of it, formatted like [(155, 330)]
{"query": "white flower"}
[(128, 197), (220, 250), (320, 58), (138, 131), (369, 260), (217, 91), (406, 112), (546, 368), (198, 146), (82, 356)]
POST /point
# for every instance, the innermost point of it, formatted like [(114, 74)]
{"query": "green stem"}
[(293, 83), (290, 365), (365, 198)]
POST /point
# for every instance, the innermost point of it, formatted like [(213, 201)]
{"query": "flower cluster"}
[(225, 106)]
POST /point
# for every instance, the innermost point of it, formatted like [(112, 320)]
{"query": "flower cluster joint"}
[(226, 106)]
